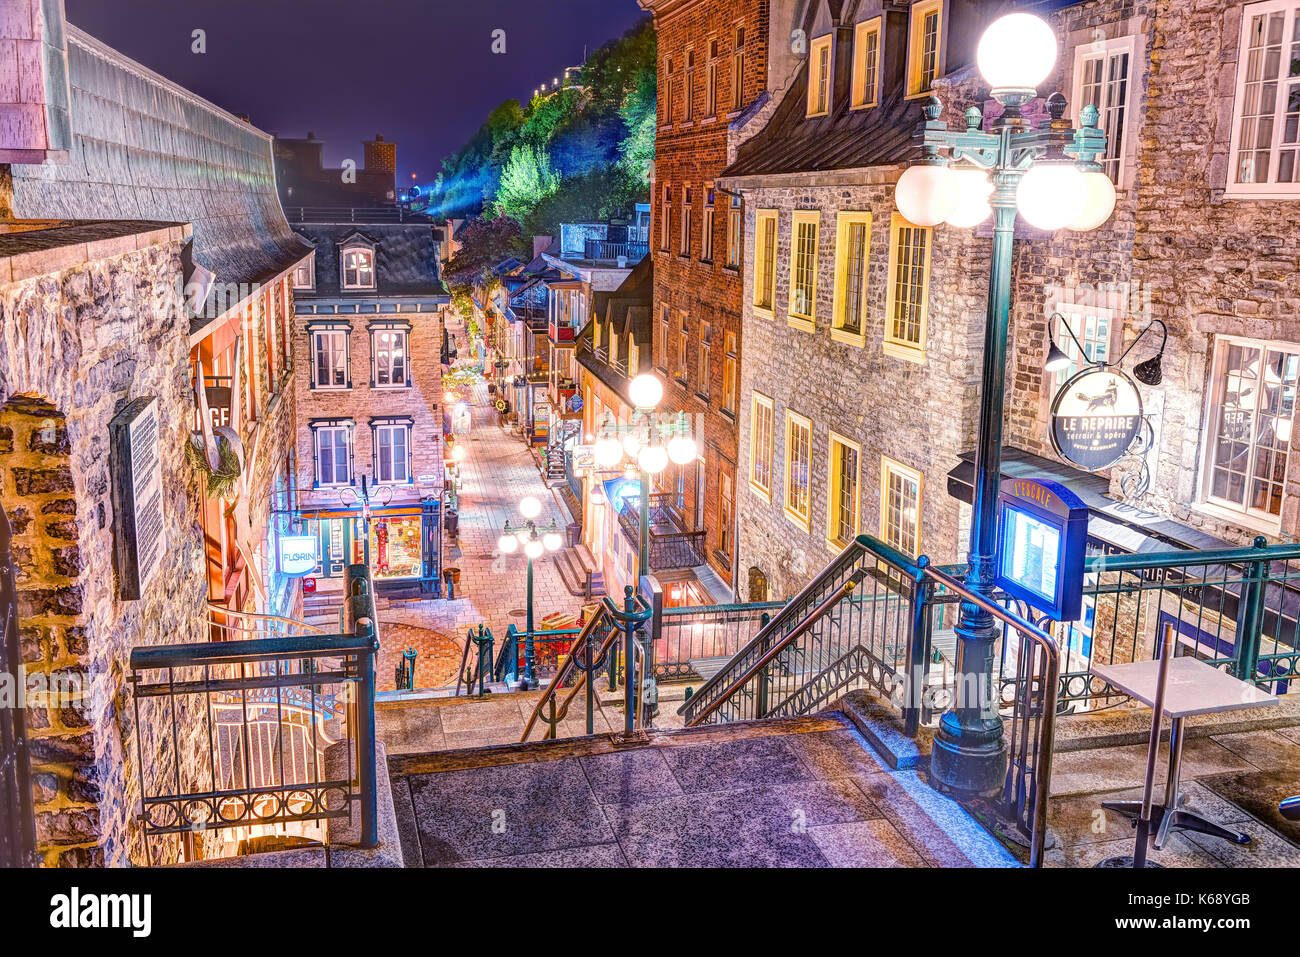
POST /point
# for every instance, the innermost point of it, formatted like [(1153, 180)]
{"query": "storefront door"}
[(334, 535)]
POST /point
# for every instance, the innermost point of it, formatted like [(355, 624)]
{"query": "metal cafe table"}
[(1192, 687)]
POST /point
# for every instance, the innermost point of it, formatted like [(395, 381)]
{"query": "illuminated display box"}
[(1042, 536)]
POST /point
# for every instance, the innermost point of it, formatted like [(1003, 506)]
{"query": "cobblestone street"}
[(497, 473)]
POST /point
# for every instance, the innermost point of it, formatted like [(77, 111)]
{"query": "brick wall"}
[(694, 152)]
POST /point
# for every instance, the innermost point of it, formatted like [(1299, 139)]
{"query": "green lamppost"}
[(1050, 175), (646, 445), (536, 541)]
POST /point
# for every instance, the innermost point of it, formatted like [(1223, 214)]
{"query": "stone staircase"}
[(802, 792), (578, 572)]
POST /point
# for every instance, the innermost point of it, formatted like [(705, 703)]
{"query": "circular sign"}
[(1095, 418)]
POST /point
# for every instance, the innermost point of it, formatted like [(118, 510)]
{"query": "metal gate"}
[(17, 828)]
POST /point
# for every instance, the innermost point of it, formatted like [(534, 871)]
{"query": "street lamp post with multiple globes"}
[(1050, 175), (535, 541), (648, 443)]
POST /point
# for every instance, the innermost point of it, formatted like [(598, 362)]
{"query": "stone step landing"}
[(802, 792)]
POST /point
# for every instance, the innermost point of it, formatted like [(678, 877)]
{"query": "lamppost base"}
[(968, 761)]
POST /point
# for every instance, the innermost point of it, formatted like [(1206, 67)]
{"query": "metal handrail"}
[(849, 586), (569, 664), (1047, 719), (215, 609)]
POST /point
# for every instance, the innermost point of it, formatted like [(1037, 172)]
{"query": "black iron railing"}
[(670, 547), (248, 724)]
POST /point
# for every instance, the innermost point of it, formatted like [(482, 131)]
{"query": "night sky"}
[(421, 72)]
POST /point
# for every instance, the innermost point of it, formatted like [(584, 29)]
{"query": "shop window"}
[(1252, 408)]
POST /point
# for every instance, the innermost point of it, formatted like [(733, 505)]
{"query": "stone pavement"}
[(498, 472), (806, 792)]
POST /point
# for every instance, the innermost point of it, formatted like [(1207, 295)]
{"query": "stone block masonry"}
[(61, 381)]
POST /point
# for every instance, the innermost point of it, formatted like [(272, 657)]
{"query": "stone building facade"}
[(83, 334), (713, 70)]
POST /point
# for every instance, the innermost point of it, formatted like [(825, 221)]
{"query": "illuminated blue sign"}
[(1042, 536)]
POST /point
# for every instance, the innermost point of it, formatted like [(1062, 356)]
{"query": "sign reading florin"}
[(1095, 418), (138, 534)]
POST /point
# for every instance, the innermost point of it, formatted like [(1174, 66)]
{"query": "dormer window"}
[(358, 268), (819, 76), (924, 47), (866, 64), (304, 274)]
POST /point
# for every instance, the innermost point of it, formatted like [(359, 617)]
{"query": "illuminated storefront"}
[(403, 546)]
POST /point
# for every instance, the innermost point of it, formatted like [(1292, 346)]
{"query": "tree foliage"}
[(527, 180), (483, 244)]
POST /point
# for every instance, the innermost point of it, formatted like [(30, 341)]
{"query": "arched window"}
[(758, 587)]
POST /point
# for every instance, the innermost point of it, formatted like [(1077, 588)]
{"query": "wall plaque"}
[(139, 536), (1095, 418)]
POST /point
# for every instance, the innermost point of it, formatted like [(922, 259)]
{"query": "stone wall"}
[(82, 335)]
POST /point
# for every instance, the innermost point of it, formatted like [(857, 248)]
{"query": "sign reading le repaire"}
[(1095, 418), (139, 538)]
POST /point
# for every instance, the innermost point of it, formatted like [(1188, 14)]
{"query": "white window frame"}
[(819, 81), (1105, 50), (404, 333), (307, 270), (351, 250), (318, 432), (331, 331), (378, 428), (1085, 321), (1272, 189), (889, 467), (801, 520), (757, 401), (1259, 519)]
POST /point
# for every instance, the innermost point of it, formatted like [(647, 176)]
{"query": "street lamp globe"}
[(552, 541), (925, 195), (533, 548), (530, 507), (682, 449), (645, 391), (1016, 52), (973, 189), (507, 544), (608, 452), (458, 453), (1052, 194), (1099, 204), (653, 458), (632, 444)]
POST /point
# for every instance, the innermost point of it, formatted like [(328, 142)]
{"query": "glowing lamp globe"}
[(458, 454), (1016, 52), (507, 544), (608, 452), (973, 189), (682, 449), (645, 391), (925, 195), (552, 541), (1052, 195), (653, 458), (530, 507), (533, 548), (631, 444), (1100, 203)]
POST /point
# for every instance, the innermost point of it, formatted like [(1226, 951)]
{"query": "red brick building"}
[(713, 60)]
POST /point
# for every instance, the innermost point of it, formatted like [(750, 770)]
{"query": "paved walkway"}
[(498, 472)]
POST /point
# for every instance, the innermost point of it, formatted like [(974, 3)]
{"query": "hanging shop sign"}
[(297, 555), (1095, 418), (1042, 538), (139, 537)]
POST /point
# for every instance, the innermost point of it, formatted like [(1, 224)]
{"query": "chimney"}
[(541, 244)]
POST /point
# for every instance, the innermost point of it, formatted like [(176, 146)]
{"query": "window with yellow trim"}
[(798, 463), (900, 506), (819, 76), (909, 289), (844, 477), (866, 64), (803, 269), (765, 261), (924, 47), (760, 445), (729, 359), (852, 253)]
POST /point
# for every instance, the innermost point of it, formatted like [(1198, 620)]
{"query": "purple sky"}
[(419, 71)]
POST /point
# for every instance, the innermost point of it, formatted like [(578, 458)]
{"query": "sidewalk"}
[(496, 474)]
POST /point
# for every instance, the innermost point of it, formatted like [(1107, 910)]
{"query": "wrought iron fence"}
[(684, 635), (234, 734), (668, 549)]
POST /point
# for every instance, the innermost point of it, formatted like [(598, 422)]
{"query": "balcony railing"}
[(670, 546), (605, 250), (374, 215)]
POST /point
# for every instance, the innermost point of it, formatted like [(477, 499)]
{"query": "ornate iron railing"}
[(249, 722), (683, 635), (668, 549)]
